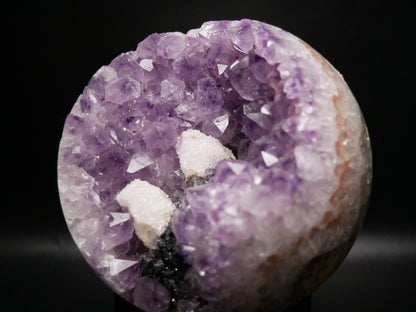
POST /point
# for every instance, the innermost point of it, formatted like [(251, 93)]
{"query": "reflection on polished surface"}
[(48, 273), (120, 305)]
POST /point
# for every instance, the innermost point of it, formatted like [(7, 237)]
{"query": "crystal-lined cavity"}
[(226, 169)]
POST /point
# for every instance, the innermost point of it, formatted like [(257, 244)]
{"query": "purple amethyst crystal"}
[(227, 169), (150, 295)]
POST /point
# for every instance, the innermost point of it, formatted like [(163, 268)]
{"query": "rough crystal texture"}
[(257, 232), (199, 153), (150, 208)]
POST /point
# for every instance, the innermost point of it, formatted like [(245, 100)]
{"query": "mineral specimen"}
[(227, 169)]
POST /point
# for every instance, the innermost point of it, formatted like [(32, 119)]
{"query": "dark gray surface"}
[(49, 274)]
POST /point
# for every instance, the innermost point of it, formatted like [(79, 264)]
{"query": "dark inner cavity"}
[(168, 267)]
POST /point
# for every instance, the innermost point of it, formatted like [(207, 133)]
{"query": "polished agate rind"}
[(226, 169)]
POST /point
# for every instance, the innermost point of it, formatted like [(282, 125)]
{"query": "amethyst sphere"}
[(226, 169)]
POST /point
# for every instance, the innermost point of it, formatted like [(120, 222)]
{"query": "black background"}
[(52, 48)]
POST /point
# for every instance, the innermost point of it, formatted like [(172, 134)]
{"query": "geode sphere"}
[(226, 169)]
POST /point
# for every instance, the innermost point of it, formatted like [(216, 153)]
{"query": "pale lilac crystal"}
[(241, 238), (122, 90), (172, 90), (208, 95), (171, 45)]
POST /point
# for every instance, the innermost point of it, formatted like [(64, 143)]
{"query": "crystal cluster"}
[(227, 169)]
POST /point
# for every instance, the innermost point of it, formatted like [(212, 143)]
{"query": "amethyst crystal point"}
[(227, 169)]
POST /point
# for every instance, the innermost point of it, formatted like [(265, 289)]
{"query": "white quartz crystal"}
[(150, 208), (146, 64), (221, 68), (119, 265), (237, 168), (269, 159), (199, 152), (222, 122), (138, 162), (119, 217)]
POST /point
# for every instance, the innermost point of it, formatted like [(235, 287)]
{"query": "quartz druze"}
[(226, 169)]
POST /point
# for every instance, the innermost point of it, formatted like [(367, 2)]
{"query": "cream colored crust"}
[(351, 197), (352, 147), (349, 202)]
